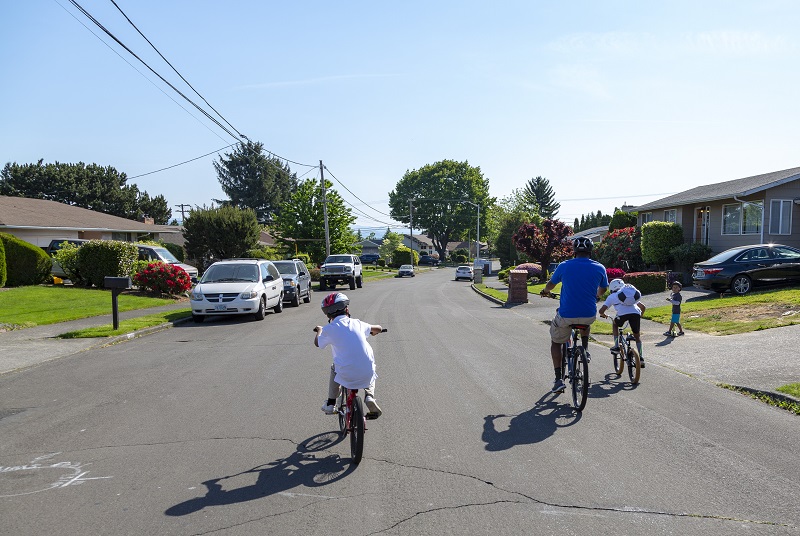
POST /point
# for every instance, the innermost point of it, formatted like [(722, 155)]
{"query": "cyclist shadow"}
[(609, 385), (301, 469), (532, 426)]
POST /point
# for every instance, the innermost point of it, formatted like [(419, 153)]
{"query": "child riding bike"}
[(624, 298), (353, 361)]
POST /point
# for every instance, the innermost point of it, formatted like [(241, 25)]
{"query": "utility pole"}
[(183, 207), (325, 210), (411, 228)]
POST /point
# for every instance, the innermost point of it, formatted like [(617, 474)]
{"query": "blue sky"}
[(611, 101)]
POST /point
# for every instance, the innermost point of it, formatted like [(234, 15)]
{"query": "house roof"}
[(26, 213), (368, 243), (725, 190), (593, 234)]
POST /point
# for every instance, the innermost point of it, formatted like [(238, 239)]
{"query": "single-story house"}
[(753, 210), (595, 234), (419, 243), (39, 221), (368, 247), (471, 246)]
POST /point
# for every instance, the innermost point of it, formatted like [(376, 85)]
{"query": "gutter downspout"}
[(743, 202)]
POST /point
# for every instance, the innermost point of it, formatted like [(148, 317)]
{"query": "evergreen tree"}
[(539, 194)]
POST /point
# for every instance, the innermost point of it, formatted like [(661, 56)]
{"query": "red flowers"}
[(163, 278)]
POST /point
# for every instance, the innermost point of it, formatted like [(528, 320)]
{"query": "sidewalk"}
[(27, 347)]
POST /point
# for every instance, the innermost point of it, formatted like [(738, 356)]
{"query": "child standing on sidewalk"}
[(353, 361), (675, 299)]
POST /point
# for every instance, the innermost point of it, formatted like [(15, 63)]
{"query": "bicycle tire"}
[(634, 364), (341, 408), (564, 363), (357, 425), (619, 359), (580, 379)]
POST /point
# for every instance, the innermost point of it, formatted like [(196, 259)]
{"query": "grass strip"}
[(792, 389), (128, 326), (501, 295), (788, 405)]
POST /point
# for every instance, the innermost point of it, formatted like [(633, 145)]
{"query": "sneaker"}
[(374, 411), (558, 387), (680, 333), (328, 409), (641, 362), (668, 334), (615, 349)]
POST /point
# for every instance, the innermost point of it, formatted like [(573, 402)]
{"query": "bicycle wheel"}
[(341, 407), (357, 430), (619, 359), (634, 364), (580, 379)]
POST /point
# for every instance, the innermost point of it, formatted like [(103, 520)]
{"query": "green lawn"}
[(128, 326), (24, 307)]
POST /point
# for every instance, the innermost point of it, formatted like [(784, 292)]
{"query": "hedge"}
[(100, 258), (25, 263), (2, 265), (658, 238), (647, 282)]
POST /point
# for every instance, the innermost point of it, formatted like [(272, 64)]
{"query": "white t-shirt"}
[(619, 307), (353, 360)]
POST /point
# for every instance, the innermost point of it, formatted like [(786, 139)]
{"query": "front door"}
[(701, 225)]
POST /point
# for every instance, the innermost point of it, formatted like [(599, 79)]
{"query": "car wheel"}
[(359, 281), (307, 298), (262, 306), (741, 284), (279, 307), (322, 285), (352, 283), (296, 300), (198, 319)]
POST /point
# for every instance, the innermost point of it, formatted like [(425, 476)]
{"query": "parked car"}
[(340, 269), (54, 246), (238, 287), (404, 270), (428, 260), (370, 258), (464, 272), (741, 268), (158, 253), (296, 281)]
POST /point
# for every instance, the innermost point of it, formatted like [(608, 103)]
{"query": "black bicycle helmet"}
[(581, 243), (334, 302)]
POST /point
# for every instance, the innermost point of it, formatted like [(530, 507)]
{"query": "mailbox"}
[(117, 282)]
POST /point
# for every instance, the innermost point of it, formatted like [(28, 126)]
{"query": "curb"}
[(139, 333), (488, 297)]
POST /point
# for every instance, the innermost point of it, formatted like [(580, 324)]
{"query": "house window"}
[(647, 217), (123, 237), (670, 215), (780, 217), (742, 218)]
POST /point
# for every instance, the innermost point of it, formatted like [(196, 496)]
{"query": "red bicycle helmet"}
[(334, 302)]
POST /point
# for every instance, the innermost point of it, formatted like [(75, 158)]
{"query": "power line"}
[(182, 163), (354, 195)]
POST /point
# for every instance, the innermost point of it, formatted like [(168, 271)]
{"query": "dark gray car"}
[(296, 281)]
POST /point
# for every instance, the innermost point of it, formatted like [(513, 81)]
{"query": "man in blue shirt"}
[(583, 282)]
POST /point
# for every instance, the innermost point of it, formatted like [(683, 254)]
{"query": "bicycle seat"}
[(579, 326)]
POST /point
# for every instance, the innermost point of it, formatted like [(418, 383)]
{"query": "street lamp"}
[(478, 239)]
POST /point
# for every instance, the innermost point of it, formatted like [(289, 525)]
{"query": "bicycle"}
[(627, 354), (352, 419), (575, 365)]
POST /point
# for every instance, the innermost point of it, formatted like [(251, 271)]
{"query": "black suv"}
[(296, 281), (370, 258), (428, 259)]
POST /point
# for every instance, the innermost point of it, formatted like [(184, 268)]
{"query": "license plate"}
[(699, 273), (221, 307)]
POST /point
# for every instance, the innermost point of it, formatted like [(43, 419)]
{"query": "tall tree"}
[(438, 193), (252, 179), (391, 241), (220, 233), (544, 244), (95, 187), (511, 212), (539, 194), (301, 221)]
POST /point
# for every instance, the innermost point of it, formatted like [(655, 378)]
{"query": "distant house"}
[(368, 247), (39, 221), (753, 210), (421, 244), (471, 246), (595, 234)]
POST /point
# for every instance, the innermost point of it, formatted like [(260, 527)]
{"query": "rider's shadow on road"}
[(301, 469), (532, 426)]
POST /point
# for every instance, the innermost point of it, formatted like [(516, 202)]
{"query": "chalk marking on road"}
[(76, 477), (291, 494)]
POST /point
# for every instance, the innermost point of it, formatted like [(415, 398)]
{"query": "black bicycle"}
[(575, 364), (627, 355)]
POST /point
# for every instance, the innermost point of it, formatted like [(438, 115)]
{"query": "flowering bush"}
[(621, 247), (615, 273), (534, 270), (163, 278)]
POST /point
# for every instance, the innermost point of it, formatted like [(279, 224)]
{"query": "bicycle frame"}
[(575, 367), (628, 354), (352, 421)]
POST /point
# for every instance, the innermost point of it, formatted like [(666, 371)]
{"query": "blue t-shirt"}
[(580, 278)]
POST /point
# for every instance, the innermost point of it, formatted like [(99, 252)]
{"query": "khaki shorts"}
[(560, 329)]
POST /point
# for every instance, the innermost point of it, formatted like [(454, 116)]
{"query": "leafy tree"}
[(621, 248), (591, 220), (658, 238), (301, 219), (544, 244), (509, 214), (539, 195), (621, 220), (98, 188), (252, 179), (437, 192), (391, 241), (403, 255), (220, 233)]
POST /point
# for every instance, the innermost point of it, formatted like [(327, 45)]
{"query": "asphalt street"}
[(215, 428)]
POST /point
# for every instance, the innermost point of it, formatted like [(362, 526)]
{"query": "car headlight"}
[(197, 295), (290, 283), (348, 269), (248, 295)]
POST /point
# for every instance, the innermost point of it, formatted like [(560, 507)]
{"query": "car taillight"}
[(711, 271)]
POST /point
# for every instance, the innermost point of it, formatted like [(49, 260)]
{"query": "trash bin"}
[(477, 275)]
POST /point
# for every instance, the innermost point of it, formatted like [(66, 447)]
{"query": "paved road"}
[(216, 429)]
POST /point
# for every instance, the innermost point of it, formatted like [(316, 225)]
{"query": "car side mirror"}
[(268, 278), (302, 273)]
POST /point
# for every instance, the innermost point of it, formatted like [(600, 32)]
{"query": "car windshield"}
[(286, 267), (223, 273), (337, 259), (165, 254), (722, 257), (406, 267)]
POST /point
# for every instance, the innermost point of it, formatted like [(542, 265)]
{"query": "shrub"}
[(100, 258), (67, 257), (265, 252), (402, 255), (674, 276), (621, 220), (2, 265), (647, 282), (176, 250), (502, 275), (26, 264), (382, 262), (621, 249), (314, 273), (305, 257), (533, 269), (687, 255), (658, 238), (615, 273), (163, 278)]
